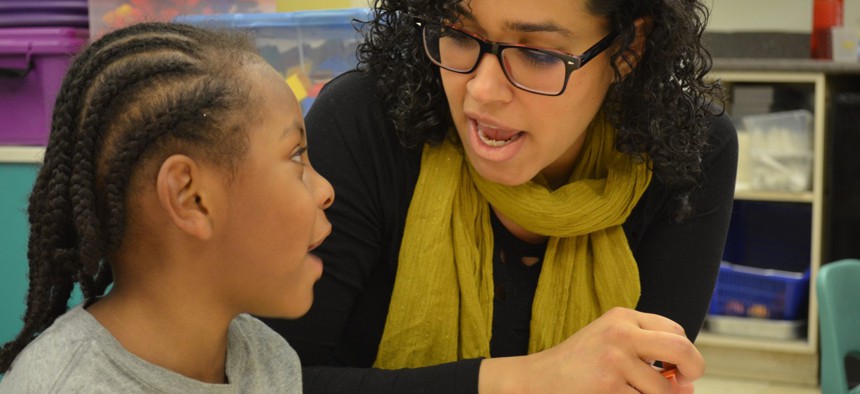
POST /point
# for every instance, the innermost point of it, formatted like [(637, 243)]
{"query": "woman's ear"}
[(628, 61), (182, 194)]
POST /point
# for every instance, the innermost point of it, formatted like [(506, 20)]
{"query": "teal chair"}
[(839, 306)]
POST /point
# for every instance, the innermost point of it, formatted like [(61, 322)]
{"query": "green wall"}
[(16, 181)]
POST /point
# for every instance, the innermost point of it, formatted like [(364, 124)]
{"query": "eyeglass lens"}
[(527, 68)]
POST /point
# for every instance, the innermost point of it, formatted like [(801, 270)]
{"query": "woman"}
[(532, 196)]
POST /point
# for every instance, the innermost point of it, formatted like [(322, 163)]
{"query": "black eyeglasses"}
[(536, 70)]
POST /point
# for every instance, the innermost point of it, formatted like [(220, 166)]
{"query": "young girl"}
[(533, 196), (177, 171)]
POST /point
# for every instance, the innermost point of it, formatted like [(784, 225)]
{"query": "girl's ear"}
[(628, 62), (182, 194)]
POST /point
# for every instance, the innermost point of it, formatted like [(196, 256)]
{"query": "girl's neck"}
[(172, 331)]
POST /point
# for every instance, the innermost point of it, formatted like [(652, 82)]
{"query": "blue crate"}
[(761, 293)]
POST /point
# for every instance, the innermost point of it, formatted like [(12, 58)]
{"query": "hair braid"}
[(92, 245), (51, 279), (168, 116), (133, 95)]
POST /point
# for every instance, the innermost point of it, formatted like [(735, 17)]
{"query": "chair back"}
[(838, 290)]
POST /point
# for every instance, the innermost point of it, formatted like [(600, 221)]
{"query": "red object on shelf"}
[(826, 14)]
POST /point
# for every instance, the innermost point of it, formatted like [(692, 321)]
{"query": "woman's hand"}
[(613, 354)]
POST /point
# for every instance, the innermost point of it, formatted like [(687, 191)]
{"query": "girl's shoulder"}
[(57, 359), (261, 360)]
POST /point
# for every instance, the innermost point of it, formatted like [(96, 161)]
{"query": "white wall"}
[(761, 15), (793, 16)]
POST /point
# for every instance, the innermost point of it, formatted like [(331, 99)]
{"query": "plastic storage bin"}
[(780, 150), (760, 293), (29, 13), (308, 48), (109, 15), (33, 62), (770, 235)]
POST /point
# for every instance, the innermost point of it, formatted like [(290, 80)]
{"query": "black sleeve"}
[(352, 144), (678, 261)]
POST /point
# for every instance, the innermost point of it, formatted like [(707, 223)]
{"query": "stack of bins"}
[(37, 41), (308, 48)]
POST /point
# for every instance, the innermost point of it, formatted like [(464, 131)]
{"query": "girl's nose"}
[(323, 191)]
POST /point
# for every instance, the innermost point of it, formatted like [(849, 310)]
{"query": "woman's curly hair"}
[(660, 109)]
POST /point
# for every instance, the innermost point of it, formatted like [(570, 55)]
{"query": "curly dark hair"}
[(660, 109), (136, 95)]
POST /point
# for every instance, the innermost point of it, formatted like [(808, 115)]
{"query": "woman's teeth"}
[(491, 142)]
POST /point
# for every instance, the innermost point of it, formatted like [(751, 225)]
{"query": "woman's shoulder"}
[(354, 87), (349, 121), (722, 133)]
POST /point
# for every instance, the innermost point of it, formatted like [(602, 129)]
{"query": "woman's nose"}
[(489, 82)]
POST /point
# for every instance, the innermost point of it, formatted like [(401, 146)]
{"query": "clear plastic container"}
[(308, 47), (780, 150)]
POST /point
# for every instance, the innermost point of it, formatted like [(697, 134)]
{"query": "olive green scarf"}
[(442, 306)]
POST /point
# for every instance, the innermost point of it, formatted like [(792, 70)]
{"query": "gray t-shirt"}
[(78, 355)]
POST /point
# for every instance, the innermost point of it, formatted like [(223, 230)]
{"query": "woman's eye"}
[(297, 155), (538, 58)]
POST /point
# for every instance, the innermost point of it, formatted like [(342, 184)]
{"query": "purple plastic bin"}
[(33, 62), (30, 13), (79, 7)]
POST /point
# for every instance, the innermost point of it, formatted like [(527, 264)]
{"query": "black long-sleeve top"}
[(353, 144)]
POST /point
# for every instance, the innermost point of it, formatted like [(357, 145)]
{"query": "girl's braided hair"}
[(134, 96), (660, 109)]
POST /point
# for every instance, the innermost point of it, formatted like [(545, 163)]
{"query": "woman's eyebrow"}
[(543, 27), (523, 27)]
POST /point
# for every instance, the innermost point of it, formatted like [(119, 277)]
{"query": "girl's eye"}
[(297, 155)]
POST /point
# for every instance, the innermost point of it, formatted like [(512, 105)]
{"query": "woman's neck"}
[(168, 330), (518, 231)]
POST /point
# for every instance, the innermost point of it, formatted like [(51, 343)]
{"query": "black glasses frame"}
[(571, 62)]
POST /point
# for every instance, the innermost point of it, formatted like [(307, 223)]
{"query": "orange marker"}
[(668, 372)]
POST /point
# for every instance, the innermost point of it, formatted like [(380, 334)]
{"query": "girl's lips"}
[(492, 143), (320, 240)]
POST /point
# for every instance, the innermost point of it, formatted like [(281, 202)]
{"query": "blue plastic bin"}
[(308, 48), (761, 293)]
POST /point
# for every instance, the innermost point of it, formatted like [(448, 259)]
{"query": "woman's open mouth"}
[(493, 143)]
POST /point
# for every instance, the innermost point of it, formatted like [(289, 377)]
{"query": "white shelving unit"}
[(795, 360), (21, 154)]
